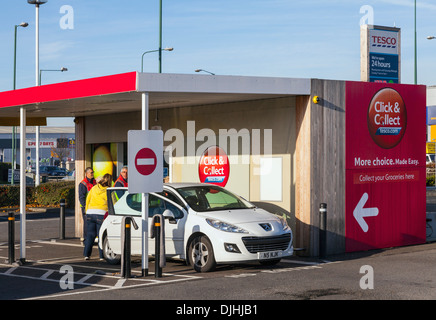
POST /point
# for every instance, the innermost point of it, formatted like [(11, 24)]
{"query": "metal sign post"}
[(22, 185), (145, 161), (144, 207)]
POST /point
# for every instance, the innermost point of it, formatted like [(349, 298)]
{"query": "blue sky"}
[(285, 38)]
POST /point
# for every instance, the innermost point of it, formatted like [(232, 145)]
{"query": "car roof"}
[(177, 185), (184, 184)]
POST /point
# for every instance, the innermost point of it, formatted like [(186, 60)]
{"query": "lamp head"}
[(199, 70), (23, 24), (37, 2)]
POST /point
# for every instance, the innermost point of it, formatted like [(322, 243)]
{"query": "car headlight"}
[(284, 224), (223, 226)]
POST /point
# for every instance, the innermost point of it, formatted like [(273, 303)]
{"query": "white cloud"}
[(54, 50)]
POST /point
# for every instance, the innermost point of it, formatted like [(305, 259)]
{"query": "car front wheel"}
[(201, 254)]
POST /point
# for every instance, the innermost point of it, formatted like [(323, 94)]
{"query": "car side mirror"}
[(168, 214)]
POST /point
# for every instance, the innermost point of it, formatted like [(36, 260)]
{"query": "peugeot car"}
[(205, 225)]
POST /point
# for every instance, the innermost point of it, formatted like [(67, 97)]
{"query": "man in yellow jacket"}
[(96, 208)]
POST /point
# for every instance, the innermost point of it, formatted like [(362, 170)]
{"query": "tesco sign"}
[(384, 40)]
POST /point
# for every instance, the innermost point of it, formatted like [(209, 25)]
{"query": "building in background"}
[(57, 146)]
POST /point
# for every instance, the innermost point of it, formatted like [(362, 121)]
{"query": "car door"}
[(122, 204), (174, 227)]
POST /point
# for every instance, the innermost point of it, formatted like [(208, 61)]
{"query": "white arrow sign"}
[(359, 212)]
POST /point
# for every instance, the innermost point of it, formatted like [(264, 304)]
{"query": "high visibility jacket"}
[(120, 182), (84, 187), (88, 184)]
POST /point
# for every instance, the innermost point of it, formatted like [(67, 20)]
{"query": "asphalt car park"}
[(55, 268), (64, 269), (49, 263)]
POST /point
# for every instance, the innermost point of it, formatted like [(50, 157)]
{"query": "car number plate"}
[(269, 255)]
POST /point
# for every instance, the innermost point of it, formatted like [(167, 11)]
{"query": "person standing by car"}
[(122, 179), (84, 187), (96, 208)]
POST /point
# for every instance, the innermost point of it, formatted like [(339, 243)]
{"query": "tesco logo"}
[(384, 40)]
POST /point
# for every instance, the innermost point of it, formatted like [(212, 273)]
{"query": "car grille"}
[(262, 244)]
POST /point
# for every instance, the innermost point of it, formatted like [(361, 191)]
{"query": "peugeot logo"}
[(266, 226)]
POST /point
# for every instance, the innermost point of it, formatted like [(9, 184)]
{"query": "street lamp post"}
[(416, 63), (37, 3), (40, 72), (142, 57), (24, 25), (160, 36), (13, 161)]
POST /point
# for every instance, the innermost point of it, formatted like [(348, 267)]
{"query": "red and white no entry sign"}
[(145, 161)]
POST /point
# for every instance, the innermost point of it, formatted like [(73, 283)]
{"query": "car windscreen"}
[(125, 203), (212, 198)]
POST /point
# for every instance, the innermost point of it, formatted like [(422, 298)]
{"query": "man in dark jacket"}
[(84, 186), (122, 179)]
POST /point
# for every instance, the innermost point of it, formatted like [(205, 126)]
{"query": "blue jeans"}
[(93, 224), (84, 223)]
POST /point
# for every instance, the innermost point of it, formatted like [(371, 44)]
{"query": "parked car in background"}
[(47, 170), (60, 172), (71, 175)]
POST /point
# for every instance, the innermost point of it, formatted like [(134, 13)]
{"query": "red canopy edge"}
[(124, 82)]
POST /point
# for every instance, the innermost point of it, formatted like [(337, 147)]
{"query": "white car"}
[(205, 225)]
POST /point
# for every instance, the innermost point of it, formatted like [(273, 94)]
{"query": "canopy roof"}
[(122, 93)]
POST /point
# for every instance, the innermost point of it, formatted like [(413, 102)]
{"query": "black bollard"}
[(127, 248), (11, 238), (126, 233), (62, 219), (322, 230), (157, 227)]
